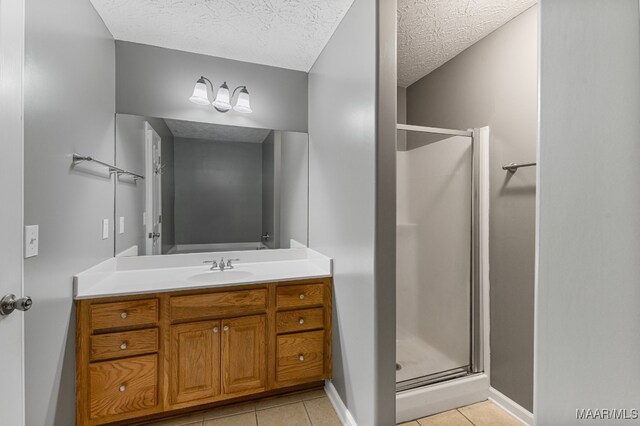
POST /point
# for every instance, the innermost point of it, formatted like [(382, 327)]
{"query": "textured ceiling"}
[(217, 132), (282, 33), (431, 32)]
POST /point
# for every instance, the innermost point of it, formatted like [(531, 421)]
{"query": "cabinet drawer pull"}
[(122, 388), (124, 315), (225, 328), (301, 321), (123, 346), (301, 357), (216, 329), (301, 296)]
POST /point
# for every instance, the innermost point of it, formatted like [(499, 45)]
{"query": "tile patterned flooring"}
[(313, 408), (310, 408), (481, 414)]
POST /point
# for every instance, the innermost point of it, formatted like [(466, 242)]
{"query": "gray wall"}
[(271, 150), (587, 314), (402, 117), (168, 185), (130, 197), (158, 82), (342, 172), (385, 217), (69, 107), (218, 191), (294, 188), (494, 83)]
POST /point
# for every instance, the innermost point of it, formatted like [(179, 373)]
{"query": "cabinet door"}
[(244, 346), (195, 361)]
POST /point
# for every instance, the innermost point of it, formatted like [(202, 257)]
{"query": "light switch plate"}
[(121, 224), (105, 229), (30, 241)]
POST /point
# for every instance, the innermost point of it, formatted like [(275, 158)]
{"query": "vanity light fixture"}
[(224, 98)]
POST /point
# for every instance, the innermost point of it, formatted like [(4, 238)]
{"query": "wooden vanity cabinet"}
[(145, 356), (194, 363)]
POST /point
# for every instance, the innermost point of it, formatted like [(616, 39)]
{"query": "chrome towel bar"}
[(77, 159), (511, 168)]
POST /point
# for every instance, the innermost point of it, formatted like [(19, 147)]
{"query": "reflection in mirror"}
[(208, 187)]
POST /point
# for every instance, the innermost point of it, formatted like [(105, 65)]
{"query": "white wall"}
[(157, 82), (588, 251), (342, 147), (69, 106)]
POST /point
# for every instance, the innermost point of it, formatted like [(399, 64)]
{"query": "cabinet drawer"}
[(201, 306), (124, 314), (123, 344), (300, 356), (123, 386), (293, 296), (299, 320)]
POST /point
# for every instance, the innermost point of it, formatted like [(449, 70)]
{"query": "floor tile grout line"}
[(278, 406), (468, 419), (307, 412)]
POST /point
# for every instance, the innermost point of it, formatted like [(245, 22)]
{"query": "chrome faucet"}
[(221, 265), (214, 264), (229, 265)]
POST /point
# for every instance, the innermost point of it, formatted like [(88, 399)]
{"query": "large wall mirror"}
[(208, 187)]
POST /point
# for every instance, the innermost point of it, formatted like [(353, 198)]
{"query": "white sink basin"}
[(214, 277)]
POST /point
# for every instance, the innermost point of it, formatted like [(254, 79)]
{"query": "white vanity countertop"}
[(121, 276)]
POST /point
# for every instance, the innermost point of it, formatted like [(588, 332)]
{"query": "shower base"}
[(427, 400), (418, 358)]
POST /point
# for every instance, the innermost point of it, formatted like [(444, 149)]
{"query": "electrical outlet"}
[(122, 224)]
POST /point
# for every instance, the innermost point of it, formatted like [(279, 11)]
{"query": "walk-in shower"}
[(442, 272)]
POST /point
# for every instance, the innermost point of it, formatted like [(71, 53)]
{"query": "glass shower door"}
[(434, 211)]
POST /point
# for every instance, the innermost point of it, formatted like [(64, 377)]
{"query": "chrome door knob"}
[(225, 328), (9, 303), (301, 321), (215, 329), (123, 346), (301, 357), (301, 296), (124, 315), (122, 388)]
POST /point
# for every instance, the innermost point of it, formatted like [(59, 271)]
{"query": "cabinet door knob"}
[(301, 296), (301, 357), (122, 388), (225, 328), (216, 329), (301, 321), (123, 346), (124, 315)]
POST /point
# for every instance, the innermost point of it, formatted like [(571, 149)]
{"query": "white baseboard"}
[(343, 413), (511, 407)]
